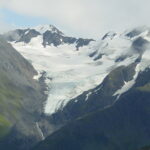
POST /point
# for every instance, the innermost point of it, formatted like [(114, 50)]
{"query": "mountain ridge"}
[(50, 35)]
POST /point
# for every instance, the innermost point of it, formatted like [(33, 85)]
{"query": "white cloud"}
[(86, 17)]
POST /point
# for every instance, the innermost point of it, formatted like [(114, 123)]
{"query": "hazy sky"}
[(85, 18)]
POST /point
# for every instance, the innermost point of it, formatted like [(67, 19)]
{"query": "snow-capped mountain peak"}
[(48, 34), (43, 28)]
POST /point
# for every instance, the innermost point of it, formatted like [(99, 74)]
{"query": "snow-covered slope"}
[(70, 72), (43, 28)]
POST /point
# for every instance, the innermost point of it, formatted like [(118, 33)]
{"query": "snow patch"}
[(36, 77), (87, 96), (40, 131)]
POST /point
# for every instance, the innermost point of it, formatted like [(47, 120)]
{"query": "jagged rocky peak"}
[(132, 33), (109, 35), (21, 35), (49, 35), (127, 43)]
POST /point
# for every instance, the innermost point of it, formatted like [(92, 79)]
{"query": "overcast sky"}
[(85, 18)]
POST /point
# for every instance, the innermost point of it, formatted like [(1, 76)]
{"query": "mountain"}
[(50, 36), (79, 75), (122, 59), (106, 68), (21, 101), (97, 96), (114, 114), (23, 91), (66, 59)]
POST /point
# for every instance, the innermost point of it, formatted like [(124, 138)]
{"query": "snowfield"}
[(70, 72)]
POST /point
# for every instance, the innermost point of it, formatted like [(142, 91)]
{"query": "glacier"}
[(69, 72)]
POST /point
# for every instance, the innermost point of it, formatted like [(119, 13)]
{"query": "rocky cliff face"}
[(21, 100)]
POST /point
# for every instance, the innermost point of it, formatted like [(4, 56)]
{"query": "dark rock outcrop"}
[(52, 36)]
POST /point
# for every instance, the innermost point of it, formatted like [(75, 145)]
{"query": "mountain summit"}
[(43, 28), (49, 35)]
